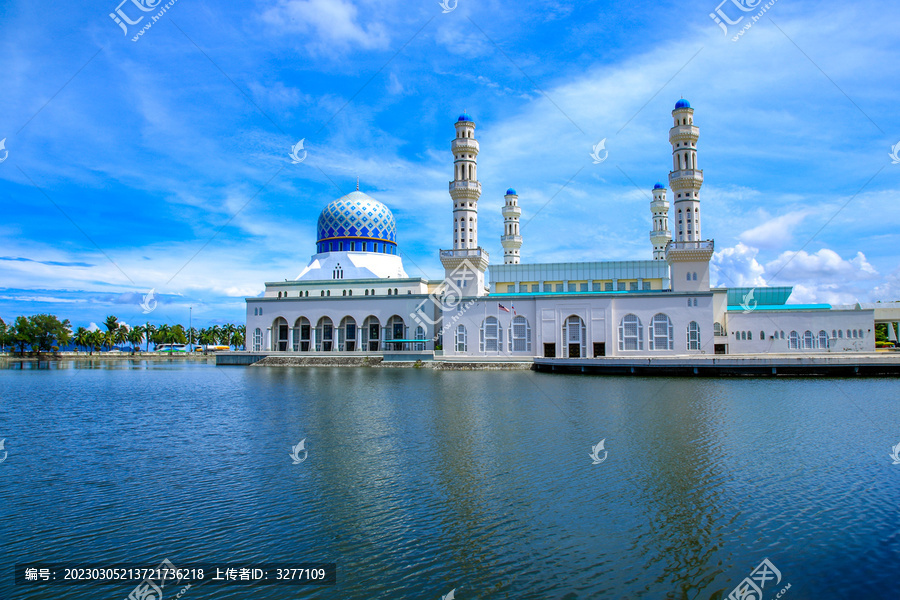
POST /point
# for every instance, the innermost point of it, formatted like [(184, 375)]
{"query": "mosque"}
[(354, 296)]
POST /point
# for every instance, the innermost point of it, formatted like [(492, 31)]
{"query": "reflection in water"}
[(418, 481)]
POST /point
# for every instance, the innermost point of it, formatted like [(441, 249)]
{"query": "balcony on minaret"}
[(464, 145), (512, 210), (467, 186), (686, 175)]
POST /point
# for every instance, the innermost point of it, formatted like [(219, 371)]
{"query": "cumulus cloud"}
[(774, 233), (737, 267), (824, 265), (818, 277)]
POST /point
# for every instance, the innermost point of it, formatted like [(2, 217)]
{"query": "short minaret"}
[(511, 238), (685, 179), (465, 190), (660, 236), (688, 255)]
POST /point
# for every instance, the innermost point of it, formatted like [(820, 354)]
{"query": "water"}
[(418, 482)]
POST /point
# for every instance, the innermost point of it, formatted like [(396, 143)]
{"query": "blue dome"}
[(511, 192), (659, 186), (465, 117), (682, 104), (357, 218)]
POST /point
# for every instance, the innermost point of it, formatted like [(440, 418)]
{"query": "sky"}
[(161, 161)]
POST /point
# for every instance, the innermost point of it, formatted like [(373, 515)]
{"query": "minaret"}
[(685, 179), (511, 238), (660, 236), (465, 190), (688, 255)]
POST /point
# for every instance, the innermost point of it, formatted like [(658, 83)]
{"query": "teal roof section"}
[(758, 296), (782, 307)]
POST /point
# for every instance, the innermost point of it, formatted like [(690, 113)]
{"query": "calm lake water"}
[(419, 482)]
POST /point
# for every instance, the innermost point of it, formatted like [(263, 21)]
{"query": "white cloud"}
[(737, 267), (822, 266), (774, 233), (334, 23)]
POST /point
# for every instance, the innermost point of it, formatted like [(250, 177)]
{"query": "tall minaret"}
[(688, 256), (685, 179), (660, 236), (465, 190), (511, 238)]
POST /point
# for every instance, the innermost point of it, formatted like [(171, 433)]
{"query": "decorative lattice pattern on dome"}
[(357, 215)]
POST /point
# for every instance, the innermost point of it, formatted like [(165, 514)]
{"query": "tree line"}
[(46, 333)]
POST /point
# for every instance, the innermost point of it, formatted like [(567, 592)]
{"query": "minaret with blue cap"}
[(511, 240), (685, 179), (660, 236), (466, 263), (689, 254)]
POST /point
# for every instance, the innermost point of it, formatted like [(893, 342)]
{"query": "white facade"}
[(355, 296)]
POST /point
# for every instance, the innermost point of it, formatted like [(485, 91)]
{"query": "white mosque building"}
[(355, 297)]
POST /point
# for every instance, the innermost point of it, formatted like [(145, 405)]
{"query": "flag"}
[(513, 309), (503, 308)]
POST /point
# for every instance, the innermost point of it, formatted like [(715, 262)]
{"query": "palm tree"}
[(177, 334), (120, 336), (227, 333), (162, 334), (150, 333), (237, 339), (135, 337), (111, 323), (95, 340), (109, 338), (81, 338)]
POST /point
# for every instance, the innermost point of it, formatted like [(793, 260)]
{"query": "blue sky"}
[(163, 163)]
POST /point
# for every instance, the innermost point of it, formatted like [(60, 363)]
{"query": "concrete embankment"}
[(386, 362), (827, 365)]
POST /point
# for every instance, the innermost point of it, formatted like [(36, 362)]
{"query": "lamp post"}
[(190, 328)]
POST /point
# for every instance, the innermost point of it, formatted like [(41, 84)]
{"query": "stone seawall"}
[(377, 361)]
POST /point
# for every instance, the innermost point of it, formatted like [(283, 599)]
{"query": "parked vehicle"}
[(170, 348)]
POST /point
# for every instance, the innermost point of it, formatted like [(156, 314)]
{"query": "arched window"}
[(693, 336), (257, 340), (688, 276), (695, 276), (631, 333), (661, 332), (782, 334), (750, 335), (840, 334), (743, 335), (519, 335), (762, 335), (389, 291), (718, 329), (809, 342), (490, 339), (461, 339), (823, 339), (794, 341), (395, 291), (848, 334), (367, 292), (834, 333)]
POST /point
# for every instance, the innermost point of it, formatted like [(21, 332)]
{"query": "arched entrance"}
[(302, 332), (347, 335), (371, 334), (324, 335), (280, 332), (396, 330), (574, 336)]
